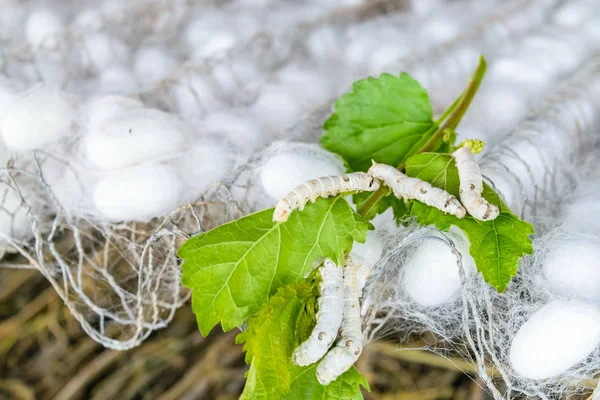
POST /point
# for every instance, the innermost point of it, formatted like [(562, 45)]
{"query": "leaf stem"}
[(448, 120), (462, 105)]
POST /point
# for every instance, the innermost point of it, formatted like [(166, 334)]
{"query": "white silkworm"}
[(471, 186), (349, 346), (323, 187), (329, 317), (409, 188)]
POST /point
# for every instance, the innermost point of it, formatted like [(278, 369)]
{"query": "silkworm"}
[(349, 347), (329, 317), (471, 186), (323, 187), (408, 188)]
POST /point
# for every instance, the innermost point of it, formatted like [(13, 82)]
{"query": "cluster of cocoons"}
[(124, 146), (571, 272), (527, 164), (521, 73), (130, 162), (565, 332), (151, 160), (145, 123)]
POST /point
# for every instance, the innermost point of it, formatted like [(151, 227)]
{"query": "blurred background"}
[(292, 59)]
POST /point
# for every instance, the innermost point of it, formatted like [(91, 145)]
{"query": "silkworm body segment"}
[(409, 188), (349, 347), (323, 187), (329, 317), (471, 186)]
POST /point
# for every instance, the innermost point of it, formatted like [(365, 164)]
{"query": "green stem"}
[(448, 120), (448, 111), (463, 103)]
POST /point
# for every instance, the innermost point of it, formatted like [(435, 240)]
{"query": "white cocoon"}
[(285, 171), (101, 109), (555, 338), (7, 96), (385, 223), (194, 95), (501, 107), (246, 24), (277, 108), (371, 250), (36, 118), (134, 137), (102, 50), (324, 42), (255, 3), (227, 79), (386, 55), (138, 193), (312, 87), (203, 166), (553, 53), (572, 269), (432, 276), (522, 70), (42, 28), (88, 20), (358, 51), (153, 64), (573, 13), (117, 79), (236, 127), (115, 10), (440, 28), (581, 217), (12, 16), (72, 185), (210, 34), (591, 31)]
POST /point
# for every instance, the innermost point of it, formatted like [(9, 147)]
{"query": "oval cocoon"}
[(101, 50), (572, 268), (118, 80), (194, 95), (555, 338), (432, 276), (133, 137), (574, 13), (35, 119), (104, 108), (284, 172), (277, 109), (43, 27), (313, 87), (139, 193), (153, 64), (580, 217), (7, 96)]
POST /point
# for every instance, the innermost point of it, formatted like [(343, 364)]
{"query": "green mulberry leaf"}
[(233, 269), (496, 246)]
